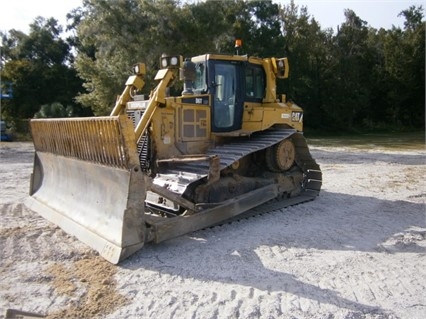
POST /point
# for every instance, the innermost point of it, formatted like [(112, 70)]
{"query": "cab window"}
[(200, 85), (255, 83)]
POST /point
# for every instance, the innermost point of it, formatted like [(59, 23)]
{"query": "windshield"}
[(200, 84)]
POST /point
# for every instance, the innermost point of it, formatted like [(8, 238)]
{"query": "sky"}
[(19, 14), (377, 13)]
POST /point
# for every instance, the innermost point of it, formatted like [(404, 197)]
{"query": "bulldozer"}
[(161, 166)]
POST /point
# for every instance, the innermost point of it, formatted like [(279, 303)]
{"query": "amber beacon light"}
[(238, 45)]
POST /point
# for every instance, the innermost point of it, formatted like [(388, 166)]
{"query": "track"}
[(238, 148), (182, 176)]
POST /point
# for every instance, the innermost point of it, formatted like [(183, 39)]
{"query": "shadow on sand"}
[(332, 222)]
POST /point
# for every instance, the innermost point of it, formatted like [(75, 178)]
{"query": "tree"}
[(359, 77), (54, 110), (113, 35), (350, 97), (413, 110), (404, 69), (310, 54), (38, 65), (413, 17)]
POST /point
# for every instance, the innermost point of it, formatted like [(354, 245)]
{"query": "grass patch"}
[(392, 141)]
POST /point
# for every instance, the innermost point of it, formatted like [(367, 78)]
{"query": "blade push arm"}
[(157, 97), (134, 82)]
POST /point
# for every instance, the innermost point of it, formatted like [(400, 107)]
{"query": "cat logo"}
[(296, 116)]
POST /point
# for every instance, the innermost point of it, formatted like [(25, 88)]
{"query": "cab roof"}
[(225, 57)]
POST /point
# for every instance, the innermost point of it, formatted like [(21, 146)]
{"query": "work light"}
[(171, 62)]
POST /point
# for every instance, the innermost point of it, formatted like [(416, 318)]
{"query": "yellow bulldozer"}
[(161, 166)]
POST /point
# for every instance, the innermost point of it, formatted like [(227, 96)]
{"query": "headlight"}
[(164, 62), (282, 68), (139, 69), (172, 62)]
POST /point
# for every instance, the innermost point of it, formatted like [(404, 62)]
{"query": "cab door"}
[(227, 105)]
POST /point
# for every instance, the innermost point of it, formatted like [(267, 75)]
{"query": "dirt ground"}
[(357, 251)]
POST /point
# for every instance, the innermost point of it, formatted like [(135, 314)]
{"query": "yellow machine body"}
[(162, 166)]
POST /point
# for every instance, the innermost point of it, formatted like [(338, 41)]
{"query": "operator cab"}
[(231, 81)]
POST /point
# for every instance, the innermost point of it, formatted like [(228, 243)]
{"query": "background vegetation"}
[(358, 78)]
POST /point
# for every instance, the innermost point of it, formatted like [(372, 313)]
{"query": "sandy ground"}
[(357, 251)]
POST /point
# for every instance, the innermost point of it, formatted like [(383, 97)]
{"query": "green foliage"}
[(359, 78), (355, 78), (54, 110), (38, 66), (113, 35)]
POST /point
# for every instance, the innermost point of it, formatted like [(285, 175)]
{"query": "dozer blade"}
[(87, 180)]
